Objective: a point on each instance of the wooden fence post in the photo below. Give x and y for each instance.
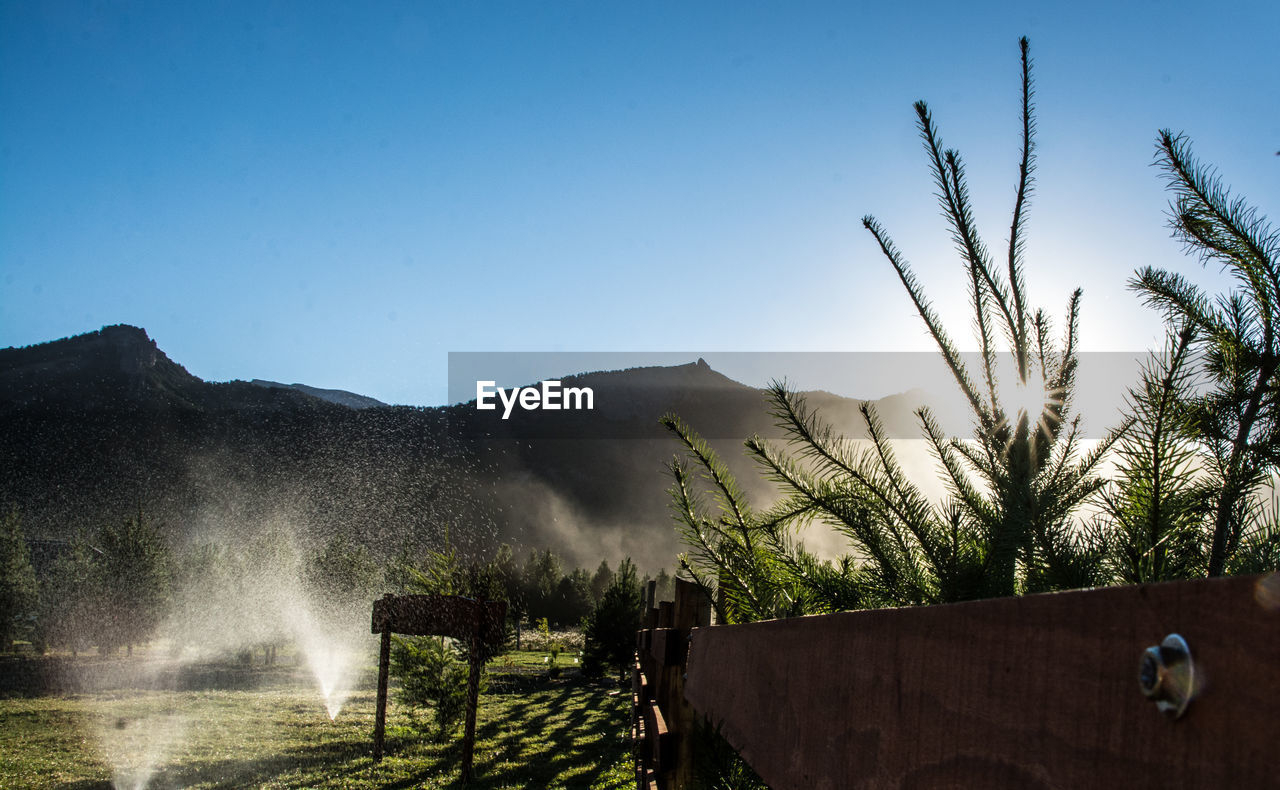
(663, 722)
(691, 610)
(648, 727)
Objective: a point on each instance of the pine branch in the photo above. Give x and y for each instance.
(804, 429)
(958, 480)
(909, 504)
(709, 547)
(1214, 226)
(852, 514)
(1025, 186)
(727, 492)
(1179, 301)
(956, 206)
(923, 308)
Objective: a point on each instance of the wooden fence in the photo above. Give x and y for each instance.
(1043, 691)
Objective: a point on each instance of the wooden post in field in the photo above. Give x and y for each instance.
(473, 697)
(478, 623)
(384, 666)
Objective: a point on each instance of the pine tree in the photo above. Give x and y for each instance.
(1236, 423)
(70, 600)
(19, 594)
(1155, 509)
(573, 599)
(610, 638)
(664, 586)
(600, 581)
(512, 581)
(541, 576)
(433, 670)
(1009, 523)
(133, 579)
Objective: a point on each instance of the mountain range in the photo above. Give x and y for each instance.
(96, 426)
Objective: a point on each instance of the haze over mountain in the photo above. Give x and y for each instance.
(96, 425)
(341, 397)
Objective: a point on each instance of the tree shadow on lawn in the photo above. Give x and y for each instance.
(571, 735)
(539, 741)
(534, 734)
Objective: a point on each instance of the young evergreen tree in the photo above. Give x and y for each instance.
(1236, 422)
(610, 638)
(600, 581)
(19, 594)
(134, 582)
(433, 674)
(1009, 523)
(70, 600)
(433, 670)
(541, 577)
(1155, 508)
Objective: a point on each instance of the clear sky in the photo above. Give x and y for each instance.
(340, 194)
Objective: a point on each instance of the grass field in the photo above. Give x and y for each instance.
(533, 731)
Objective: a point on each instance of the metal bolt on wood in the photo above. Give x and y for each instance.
(1167, 675)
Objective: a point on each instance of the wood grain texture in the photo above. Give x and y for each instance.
(1033, 692)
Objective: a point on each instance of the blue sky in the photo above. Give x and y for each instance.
(341, 194)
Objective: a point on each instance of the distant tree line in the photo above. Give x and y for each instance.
(109, 589)
(120, 585)
(541, 586)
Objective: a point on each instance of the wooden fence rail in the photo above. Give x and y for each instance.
(1041, 691)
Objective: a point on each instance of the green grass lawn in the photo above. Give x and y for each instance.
(533, 731)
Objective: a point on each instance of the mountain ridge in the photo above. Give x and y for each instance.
(97, 424)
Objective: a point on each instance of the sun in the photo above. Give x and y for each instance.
(1029, 398)
(1032, 399)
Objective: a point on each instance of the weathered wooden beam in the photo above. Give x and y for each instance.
(669, 646)
(1033, 692)
(658, 736)
(439, 615)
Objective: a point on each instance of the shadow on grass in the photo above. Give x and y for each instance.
(537, 732)
(553, 728)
